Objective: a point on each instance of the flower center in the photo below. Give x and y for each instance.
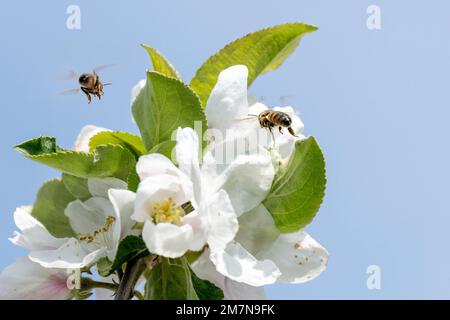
(167, 211)
(99, 235)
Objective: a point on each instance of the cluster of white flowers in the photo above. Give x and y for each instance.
(242, 250)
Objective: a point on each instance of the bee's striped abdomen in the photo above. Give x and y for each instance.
(279, 118)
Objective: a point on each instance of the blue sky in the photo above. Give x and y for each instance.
(378, 101)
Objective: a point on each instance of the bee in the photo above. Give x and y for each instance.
(271, 118)
(89, 83)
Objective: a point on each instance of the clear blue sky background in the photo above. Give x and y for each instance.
(377, 101)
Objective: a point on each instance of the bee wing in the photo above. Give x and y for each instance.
(70, 75)
(105, 66)
(70, 92)
(249, 117)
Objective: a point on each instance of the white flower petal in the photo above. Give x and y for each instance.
(155, 164)
(232, 290)
(167, 240)
(228, 100)
(123, 204)
(248, 180)
(223, 224)
(34, 235)
(85, 135)
(205, 269)
(26, 280)
(257, 230)
(240, 291)
(257, 108)
(239, 265)
(71, 255)
(199, 225)
(299, 257)
(215, 223)
(86, 217)
(187, 153)
(98, 187)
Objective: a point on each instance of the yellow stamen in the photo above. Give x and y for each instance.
(89, 238)
(167, 211)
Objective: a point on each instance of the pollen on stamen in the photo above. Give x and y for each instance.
(167, 211)
(89, 238)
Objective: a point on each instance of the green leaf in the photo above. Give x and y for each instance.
(298, 187)
(131, 247)
(106, 161)
(38, 146)
(261, 51)
(51, 201)
(170, 279)
(160, 63)
(206, 290)
(163, 105)
(125, 139)
(112, 161)
(133, 180)
(78, 187)
(165, 148)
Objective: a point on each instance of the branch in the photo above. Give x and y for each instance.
(132, 273)
(88, 283)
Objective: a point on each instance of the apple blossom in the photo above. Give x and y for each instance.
(163, 191)
(99, 222)
(25, 279)
(259, 247)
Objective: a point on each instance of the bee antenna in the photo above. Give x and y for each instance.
(107, 84)
(252, 115)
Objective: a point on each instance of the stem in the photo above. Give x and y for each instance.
(120, 273)
(88, 283)
(132, 273)
(138, 295)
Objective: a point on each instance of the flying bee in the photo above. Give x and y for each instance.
(269, 119)
(90, 84)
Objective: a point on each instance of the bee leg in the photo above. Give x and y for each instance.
(292, 132)
(280, 129)
(273, 137)
(100, 93)
(87, 94)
